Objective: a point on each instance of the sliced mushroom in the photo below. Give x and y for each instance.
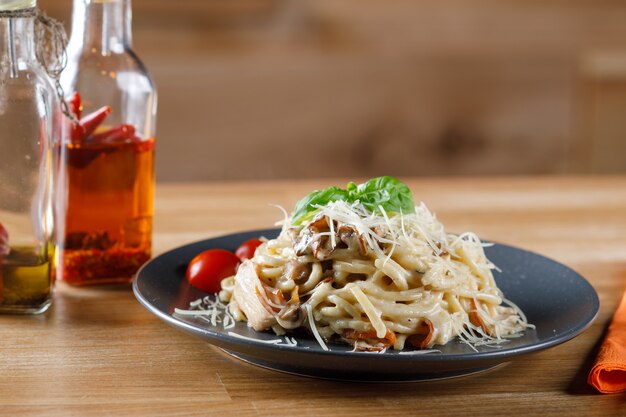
(301, 243)
(296, 270)
(309, 240)
(319, 224)
(352, 238)
(322, 247)
(422, 340)
(291, 316)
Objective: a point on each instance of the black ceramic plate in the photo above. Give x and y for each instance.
(557, 300)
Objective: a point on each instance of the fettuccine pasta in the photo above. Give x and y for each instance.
(374, 280)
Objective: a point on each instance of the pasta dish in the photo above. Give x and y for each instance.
(374, 271)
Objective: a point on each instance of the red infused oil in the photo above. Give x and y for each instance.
(109, 181)
(108, 225)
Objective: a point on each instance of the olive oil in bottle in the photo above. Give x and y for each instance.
(27, 101)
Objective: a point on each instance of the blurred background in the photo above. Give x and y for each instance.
(358, 88)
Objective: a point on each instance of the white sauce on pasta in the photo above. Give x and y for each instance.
(380, 281)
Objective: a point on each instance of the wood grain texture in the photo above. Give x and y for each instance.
(98, 352)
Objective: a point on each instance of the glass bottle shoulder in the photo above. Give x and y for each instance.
(24, 73)
(117, 79)
(118, 70)
(28, 92)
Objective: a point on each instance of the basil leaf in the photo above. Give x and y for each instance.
(387, 192)
(306, 207)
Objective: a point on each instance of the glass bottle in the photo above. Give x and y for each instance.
(106, 189)
(27, 101)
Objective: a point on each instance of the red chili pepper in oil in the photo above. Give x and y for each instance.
(108, 222)
(91, 122)
(116, 134)
(76, 105)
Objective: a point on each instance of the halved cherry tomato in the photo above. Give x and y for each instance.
(247, 248)
(209, 268)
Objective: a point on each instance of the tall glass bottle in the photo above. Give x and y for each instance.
(27, 100)
(106, 189)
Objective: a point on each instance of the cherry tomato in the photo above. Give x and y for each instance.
(247, 248)
(207, 269)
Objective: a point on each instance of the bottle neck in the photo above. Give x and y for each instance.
(17, 42)
(102, 26)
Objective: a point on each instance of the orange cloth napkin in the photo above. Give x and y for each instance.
(608, 374)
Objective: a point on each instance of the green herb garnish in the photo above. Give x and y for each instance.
(387, 192)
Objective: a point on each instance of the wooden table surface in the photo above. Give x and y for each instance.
(97, 351)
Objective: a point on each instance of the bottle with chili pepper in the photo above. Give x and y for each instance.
(106, 192)
(27, 102)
